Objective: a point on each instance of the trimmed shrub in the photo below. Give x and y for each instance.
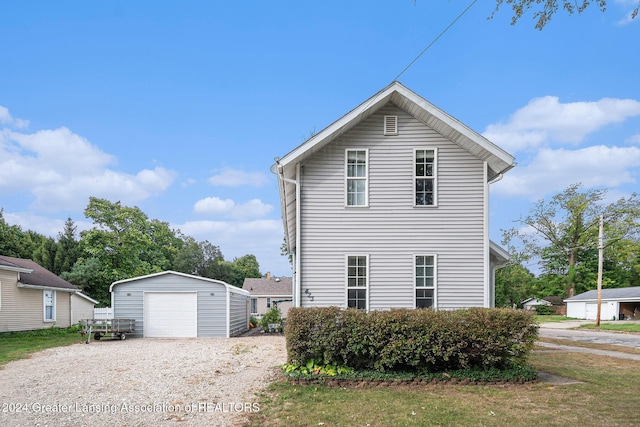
(272, 316)
(403, 339)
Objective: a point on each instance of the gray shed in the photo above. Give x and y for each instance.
(178, 305)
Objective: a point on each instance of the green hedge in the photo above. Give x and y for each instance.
(403, 339)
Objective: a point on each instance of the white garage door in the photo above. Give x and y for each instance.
(592, 311)
(171, 314)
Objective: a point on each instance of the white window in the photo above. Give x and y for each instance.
(357, 281)
(268, 302)
(356, 176)
(254, 305)
(49, 304)
(425, 276)
(425, 177)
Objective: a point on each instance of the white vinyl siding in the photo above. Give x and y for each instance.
(356, 175)
(357, 283)
(425, 280)
(49, 306)
(425, 177)
(392, 230)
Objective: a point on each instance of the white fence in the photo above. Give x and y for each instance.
(103, 313)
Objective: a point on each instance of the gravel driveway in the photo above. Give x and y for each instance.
(141, 382)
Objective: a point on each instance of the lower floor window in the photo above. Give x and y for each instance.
(254, 305)
(425, 280)
(424, 298)
(357, 282)
(357, 299)
(49, 298)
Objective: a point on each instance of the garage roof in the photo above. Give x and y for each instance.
(608, 294)
(229, 287)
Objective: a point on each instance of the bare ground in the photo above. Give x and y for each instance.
(141, 382)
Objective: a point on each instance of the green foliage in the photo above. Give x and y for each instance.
(544, 310)
(401, 339)
(544, 10)
(273, 316)
(562, 233)
(313, 368)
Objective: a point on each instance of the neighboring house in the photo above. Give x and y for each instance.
(615, 303)
(81, 307)
(32, 297)
(532, 303)
(268, 291)
(389, 207)
(178, 305)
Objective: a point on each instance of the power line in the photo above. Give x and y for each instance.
(436, 39)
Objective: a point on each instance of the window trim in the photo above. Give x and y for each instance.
(44, 306)
(268, 302)
(435, 177)
(347, 178)
(435, 279)
(253, 304)
(367, 278)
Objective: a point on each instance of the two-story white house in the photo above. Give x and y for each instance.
(389, 207)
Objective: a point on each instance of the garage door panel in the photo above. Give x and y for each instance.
(171, 314)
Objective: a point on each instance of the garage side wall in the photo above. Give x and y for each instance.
(128, 301)
(239, 317)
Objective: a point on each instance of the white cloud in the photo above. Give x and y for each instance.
(7, 119)
(215, 206)
(234, 178)
(62, 169)
(635, 139)
(546, 119)
(552, 170)
(43, 225)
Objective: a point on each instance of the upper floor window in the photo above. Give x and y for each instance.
(425, 274)
(357, 282)
(356, 173)
(425, 177)
(49, 304)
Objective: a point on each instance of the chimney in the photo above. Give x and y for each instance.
(268, 275)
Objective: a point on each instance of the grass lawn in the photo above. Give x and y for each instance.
(18, 345)
(607, 396)
(551, 318)
(622, 327)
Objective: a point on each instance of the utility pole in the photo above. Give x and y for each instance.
(600, 258)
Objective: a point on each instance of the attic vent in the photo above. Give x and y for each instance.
(390, 125)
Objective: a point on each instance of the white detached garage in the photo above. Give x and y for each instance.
(179, 305)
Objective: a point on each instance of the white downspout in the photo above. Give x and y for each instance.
(298, 239)
(487, 261)
(296, 257)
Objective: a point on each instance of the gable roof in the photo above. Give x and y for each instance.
(276, 286)
(609, 294)
(32, 275)
(498, 160)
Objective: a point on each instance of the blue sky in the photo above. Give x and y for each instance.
(180, 107)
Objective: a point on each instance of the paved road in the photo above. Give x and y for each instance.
(562, 330)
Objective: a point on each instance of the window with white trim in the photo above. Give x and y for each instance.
(254, 305)
(49, 305)
(425, 177)
(425, 276)
(268, 302)
(356, 176)
(357, 281)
